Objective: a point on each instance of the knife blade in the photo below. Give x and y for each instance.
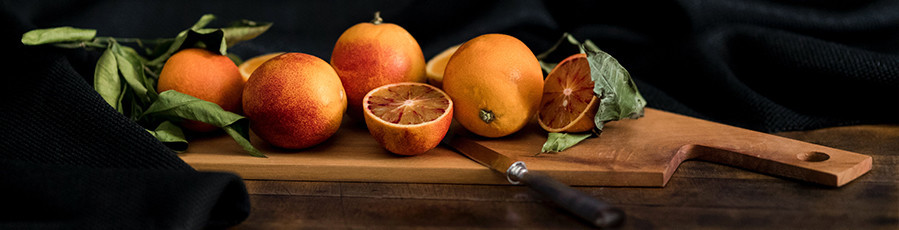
(596, 212)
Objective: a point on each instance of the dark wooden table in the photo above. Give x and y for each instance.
(700, 195)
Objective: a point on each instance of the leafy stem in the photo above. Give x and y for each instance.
(126, 79)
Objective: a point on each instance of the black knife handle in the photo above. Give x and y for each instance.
(585, 206)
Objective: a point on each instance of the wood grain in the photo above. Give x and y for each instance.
(700, 195)
(642, 152)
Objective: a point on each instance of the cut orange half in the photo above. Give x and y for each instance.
(247, 67)
(407, 118)
(568, 103)
(437, 65)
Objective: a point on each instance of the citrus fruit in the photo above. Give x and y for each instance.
(496, 84)
(369, 55)
(436, 66)
(204, 75)
(568, 103)
(294, 101)
(246, 68)
(408, 118)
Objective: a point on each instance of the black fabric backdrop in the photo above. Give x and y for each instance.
(68, 160)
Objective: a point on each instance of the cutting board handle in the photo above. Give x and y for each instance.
(785, 157)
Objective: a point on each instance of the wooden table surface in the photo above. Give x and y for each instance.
(700, 195)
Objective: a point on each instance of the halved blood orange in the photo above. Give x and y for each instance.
(568, 103)
(407, 118)
(437, 65)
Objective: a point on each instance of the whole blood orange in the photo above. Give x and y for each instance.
(294, 101)
(496, 83)
(369, 55)
(408, 118)
(568, 103)
(204, 75)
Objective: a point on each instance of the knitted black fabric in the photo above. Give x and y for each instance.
(68, 160)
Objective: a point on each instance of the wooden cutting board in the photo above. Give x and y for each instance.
(642, 152)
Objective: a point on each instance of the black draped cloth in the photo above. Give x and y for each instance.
(68, 160)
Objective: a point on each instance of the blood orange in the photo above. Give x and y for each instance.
(495, 81)
(294, 101)
(369, 55)
(407, 118)
(204, 75)
(568, 103)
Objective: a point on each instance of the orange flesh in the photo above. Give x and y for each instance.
(566, 93)
(407, 104)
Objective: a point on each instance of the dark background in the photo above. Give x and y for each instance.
(763, 65)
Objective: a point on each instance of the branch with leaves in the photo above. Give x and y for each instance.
(126, 78)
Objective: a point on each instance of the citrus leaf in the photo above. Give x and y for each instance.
(179, 40)
(617, 92)
(204, 20)
(171, 103)
(215, 40)
(136, 108)
(244, 30)
(123, 96)
(557, 142)
(240, 132)
(107, 81)
(206, 38)
(174, 105)
(131, 71)
(58, 34)
(170, 135)
(143, 74)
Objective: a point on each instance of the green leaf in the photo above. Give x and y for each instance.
(244, 30)
(215, 40)
(204, 20)
(174, 105)
(179, 39)
(132, 71)
(170, 135)
(617, 92)
(58, 34)
(137, 108)
(173, 47)
(212, 40)
(239, 131)
(123, 97)
(557, 142)
(107, 81)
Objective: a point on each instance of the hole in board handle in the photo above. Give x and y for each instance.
(813, 156)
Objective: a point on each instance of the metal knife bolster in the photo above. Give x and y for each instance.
(516, 171)
(596, 212)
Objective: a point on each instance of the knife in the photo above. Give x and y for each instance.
(596, 212)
